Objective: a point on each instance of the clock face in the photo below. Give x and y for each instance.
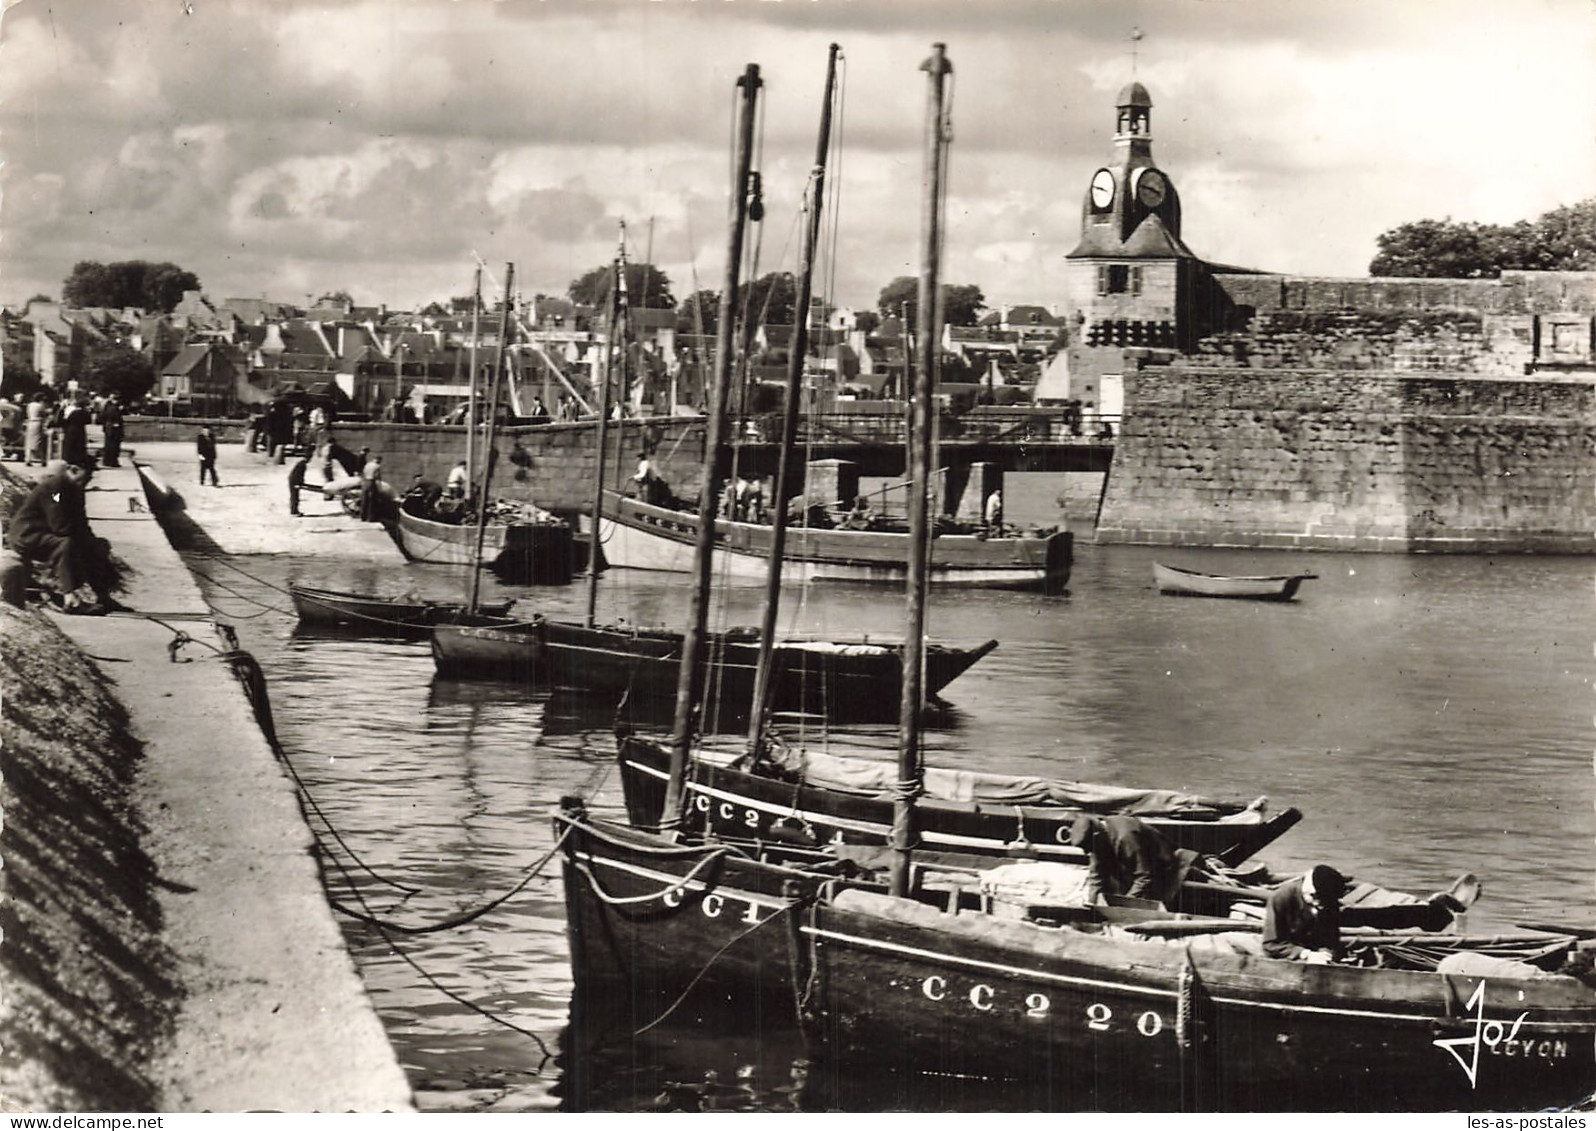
(1102, 189)
(1150, 187)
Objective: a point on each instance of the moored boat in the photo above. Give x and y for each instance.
(642, 535)
(524, 542)
(980, 1009)
(831, 797)
(834, 679)
(369, 613)
(1190, 583)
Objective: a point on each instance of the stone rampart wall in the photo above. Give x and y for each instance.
(1353, 461)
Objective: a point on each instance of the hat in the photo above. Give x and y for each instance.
(1324, 882)
(1081, 831)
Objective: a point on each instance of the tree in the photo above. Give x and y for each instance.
(768, 300)
(1563, 239)
(122, 370)
(336, 298)
(868, 321)
(646, 286)
(131, 282)
(700, 314)
(961, 303)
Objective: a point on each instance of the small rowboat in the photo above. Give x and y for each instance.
(1190, 583)
(327, 608)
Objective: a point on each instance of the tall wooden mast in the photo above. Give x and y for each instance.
(910, 769)
(690, 684)
(487, 444)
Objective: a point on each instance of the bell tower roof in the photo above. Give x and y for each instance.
(1134, 94)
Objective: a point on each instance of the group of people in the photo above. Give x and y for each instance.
(25, 429)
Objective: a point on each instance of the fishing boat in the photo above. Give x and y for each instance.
(518, 539)
(365, 612)
(1190, 583)
(822, 678)
(643, 535)
(823, 797)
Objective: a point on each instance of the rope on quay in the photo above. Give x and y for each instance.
(249, 672)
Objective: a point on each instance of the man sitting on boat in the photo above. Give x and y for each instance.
(651, 488)
(1304, 916)
(859, 516)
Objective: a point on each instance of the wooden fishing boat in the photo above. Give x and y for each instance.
(364, 612)
(640, 535)
(537, 547)
(831, 797)
(979, 1008)
(834, 679)
(1189, 583)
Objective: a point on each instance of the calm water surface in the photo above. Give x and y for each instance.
(1429, 715)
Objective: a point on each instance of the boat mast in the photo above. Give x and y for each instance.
(617, 304)
(690, 682)
(487, 444)
(471, 394)
(789, 420)
(910, 770)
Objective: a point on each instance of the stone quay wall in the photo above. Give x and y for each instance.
(1337, 460)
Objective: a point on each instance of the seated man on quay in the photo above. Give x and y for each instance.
(1304, 916)
(51, 525)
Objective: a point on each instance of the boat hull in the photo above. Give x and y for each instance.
(836, 680)
(542, 553)
(737, 803)
(1188, 583)
(327, 608)
(640, 536)
(968, 1010)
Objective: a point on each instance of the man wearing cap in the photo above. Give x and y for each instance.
(51, 526)
(1127, 856)
(1303, 917)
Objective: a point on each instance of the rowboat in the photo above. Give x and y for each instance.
(362, 611)
(853, 679)
(1190, 583)
(641, 535)
(535, 546)
(849, 799)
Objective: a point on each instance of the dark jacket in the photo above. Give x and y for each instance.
(206, 446)
(1291, 926)
(54, 506)
(1129, 857)
(75, 437)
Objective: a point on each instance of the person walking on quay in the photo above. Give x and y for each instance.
(51, 525)
(33, 431)
(205, 446)
(75, 432)
(994, 513)
(111, 426)
(370, 476)
(296, 483)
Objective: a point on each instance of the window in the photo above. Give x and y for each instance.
(1119, 279)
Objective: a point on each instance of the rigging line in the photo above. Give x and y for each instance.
(431, 980)
(371, 919)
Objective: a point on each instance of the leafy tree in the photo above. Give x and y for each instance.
(338, 298)
(768, 300)
(131, 282)
(122, 370)
(700, 314)
(961, 303)
(1563, 239)
(868, 321)
(646, 286)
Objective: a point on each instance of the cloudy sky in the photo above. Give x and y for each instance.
(283, 149)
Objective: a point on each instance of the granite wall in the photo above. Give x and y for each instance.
(1348, 460)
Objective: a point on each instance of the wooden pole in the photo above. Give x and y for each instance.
(601, 433)
(763, 677)
(690, 681)
(487, 445)
(910, 770)
(471, 394)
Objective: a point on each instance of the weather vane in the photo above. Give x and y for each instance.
(1135, 38)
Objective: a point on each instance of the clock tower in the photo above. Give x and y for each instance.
(1130, 278)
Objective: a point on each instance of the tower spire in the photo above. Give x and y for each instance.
(1135, 38)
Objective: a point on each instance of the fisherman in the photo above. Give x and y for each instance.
(51, 525)
(455, 485)
(370, 477)
(1127, 856)
(1303, 917)
(994, 512)
(858, 516)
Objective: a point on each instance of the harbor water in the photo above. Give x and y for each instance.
(1429, 715)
